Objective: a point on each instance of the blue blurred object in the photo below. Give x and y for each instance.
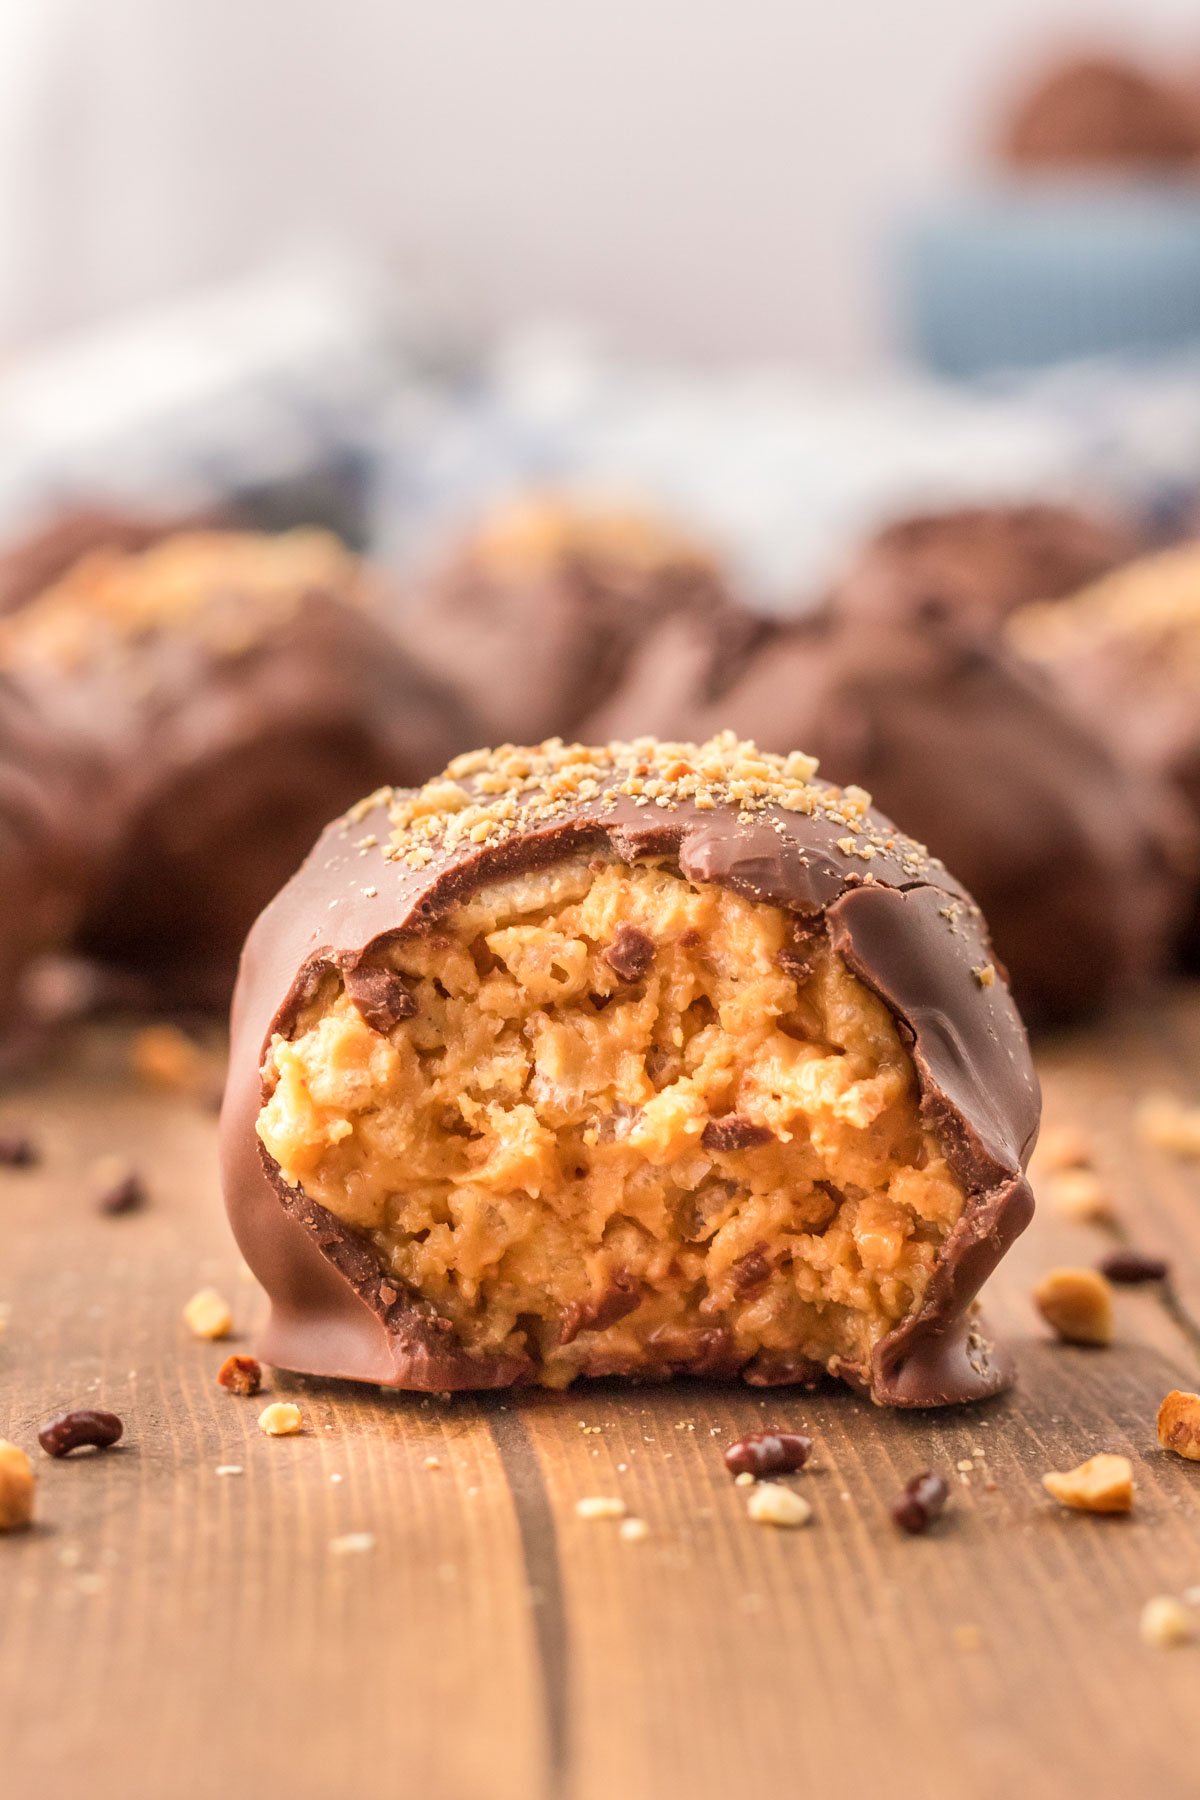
(1021, 277)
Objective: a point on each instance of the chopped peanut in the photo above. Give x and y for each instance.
(281, 1419)
(1103, 1484)
(600, 1506)
(1168, 1124)
(1063, 1147)
(1179, 1424)
(166, 1057)
(1080, 1196)
(772, 1505)
(207, 1315)
(1077, 1304)
(17, 1482)
(1165, 1622)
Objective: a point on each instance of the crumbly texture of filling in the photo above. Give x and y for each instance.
(620, 1110)
(225, 586)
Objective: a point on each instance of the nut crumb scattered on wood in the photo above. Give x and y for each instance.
(18, 1485)
(208, 1315)
(600, 1506)
(119, 1189)
(240, 1375)
(166, 1057)
(17, 1151)
(281, 1419)
(1063, 1147)
(632, 1531)
(1077, 1304)
(1102, 1484)
(352, 1543)
(773, 1505)
(1168, 1123)
(229, 1469)
(1079, 1196)
(1179, 1424)
(1165, 1622)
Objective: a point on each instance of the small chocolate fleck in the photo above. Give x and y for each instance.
(18, 1151)
(78, 1430)
(124, 1195)
(734, 1132)
(1129, 1267)
(919, 1505)
(240, 1374)
(381, 996)
(750, 1272)
(769, 1453)
(630, 953)
(619, 1299)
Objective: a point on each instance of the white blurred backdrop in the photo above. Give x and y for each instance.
(706, 176)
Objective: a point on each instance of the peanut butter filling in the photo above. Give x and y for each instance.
(610, 1119)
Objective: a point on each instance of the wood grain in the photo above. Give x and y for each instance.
(169, 1632)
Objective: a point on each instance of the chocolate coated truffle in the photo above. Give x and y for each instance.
(691, 1063)
(534, 617)
(32, 562)
(1080, 862)
(1103, 112)
(231, 691)
(977, 563)
(1127, 654)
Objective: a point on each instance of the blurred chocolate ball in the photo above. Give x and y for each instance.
(1081, 862)
(534, 616)
(975, 564)
(1102, 112)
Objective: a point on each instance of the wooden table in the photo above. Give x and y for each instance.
(168, 1632)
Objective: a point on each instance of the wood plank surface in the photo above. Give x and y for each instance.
(170, 1633)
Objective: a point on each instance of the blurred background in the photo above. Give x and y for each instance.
(792, 273)
(711, 178)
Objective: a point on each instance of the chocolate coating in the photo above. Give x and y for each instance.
(903, 925)
(976, 564)
(1081, 863)
(535, 616)
(1102, 112)
(228, 693)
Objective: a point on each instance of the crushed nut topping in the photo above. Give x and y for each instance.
(488, 796)
(17, 1486)
(1077, 1304)
(224, 586)
(1103, 1484)
(1179, 1424)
